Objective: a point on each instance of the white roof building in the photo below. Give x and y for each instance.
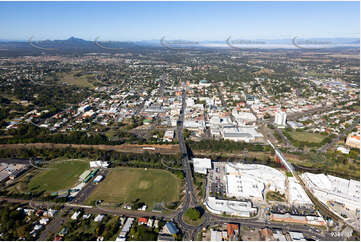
(343, 150)
(44, 221)
(194, 124)
(150, 222)
(296, 194)
(218, 235)
(38, 227)
(331, 188)
(86, 216)
(250, 180)
(99, 218)
(244, 117)
(280, 119)
(123, 233)
(98, 164)
(50, 213)
(75, 215)
(244, 187)
(98, 179)
(244, 133)
(201, 165)
(168, 135)
(295, 125)
(190, 102)
(296, 236)
(234, 208)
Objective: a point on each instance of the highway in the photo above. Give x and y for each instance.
(190, 200)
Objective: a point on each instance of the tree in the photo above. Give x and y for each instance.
(187, 133)
(193, 213)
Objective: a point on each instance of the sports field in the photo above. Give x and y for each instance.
(61, 175)
(307, 137)
(129, 184)
(80, 81)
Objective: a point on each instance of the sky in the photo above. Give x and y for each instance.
(197, 21)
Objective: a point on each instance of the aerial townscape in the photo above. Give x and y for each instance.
(178, 140)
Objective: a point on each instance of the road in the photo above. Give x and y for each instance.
(190, 200)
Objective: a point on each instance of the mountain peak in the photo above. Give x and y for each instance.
(72, 38)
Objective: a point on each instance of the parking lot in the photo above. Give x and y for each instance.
(216, 181)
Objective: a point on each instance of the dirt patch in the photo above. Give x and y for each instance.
(144, 185)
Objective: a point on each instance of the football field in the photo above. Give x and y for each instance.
(60, 175)
(137, 184)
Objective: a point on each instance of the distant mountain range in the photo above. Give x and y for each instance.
(77, 45)
(74, 40)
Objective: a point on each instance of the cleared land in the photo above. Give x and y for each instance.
(62, 175)
(126, 185)
(307, 137)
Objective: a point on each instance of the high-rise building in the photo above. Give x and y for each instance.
(280, 119)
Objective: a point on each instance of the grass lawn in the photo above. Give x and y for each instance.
(275, 196)
(129, 184)
(289, 174)
(62, 175)
(193, 222)
(307, 137)
(81, 81)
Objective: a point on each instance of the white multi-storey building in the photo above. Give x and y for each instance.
(280, 119)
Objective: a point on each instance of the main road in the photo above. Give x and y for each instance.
(190, 199)
(190, 231)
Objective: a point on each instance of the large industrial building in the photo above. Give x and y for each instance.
(242, 133)
(234, 208)
(330, 188)
(250, 180)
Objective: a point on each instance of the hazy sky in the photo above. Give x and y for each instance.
(180, 20)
